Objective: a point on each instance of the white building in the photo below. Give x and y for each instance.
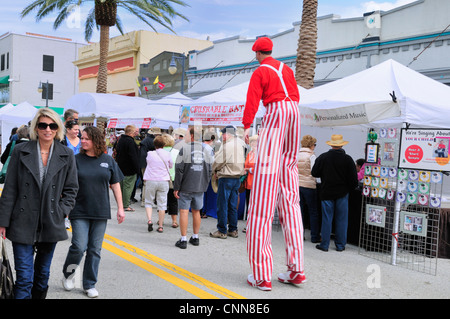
(414, 35)
(30, 59)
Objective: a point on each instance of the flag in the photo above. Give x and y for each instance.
(138, 84)
(161, 86)
(156, 80)
(145, 80)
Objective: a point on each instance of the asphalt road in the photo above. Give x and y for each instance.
(137, 264)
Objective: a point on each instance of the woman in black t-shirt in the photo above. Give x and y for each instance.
(97, 172)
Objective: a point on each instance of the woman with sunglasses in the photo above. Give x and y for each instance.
(97, 173)
(40, 189)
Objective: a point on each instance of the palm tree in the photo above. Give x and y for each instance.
(104, 15)
(307, 45)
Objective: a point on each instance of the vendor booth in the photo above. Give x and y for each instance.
(398, 103)
(225, 107)
(162, 113)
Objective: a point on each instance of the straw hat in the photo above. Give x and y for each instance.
(337, 140)
(253, 138)
(214, 183)
(154, 131)
(180, 131)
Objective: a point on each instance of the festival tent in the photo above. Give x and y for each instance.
(365, 99)
(13, 116)
(100, 105)
(223, 107)
(388, 93)
(163, 113)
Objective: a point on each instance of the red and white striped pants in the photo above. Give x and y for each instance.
(275, 185)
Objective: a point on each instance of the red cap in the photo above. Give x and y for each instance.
(263, 44)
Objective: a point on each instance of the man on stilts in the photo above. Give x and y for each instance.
(275, 183)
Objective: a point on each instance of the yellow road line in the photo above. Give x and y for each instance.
(202, 281)
(160, 273)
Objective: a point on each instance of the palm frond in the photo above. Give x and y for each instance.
(89, 25)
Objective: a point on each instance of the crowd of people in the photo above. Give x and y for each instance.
(57, 172)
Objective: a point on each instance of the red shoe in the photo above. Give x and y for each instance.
(260, 284)
(292, 277)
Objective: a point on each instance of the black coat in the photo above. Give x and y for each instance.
(127, 156)
(31, 212)
(337, 172)
(5, 154)
(145, 147)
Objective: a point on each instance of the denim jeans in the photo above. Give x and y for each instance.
(308, 202)
(87, 236)
(227, 199)
(339, 209)
(32, 274)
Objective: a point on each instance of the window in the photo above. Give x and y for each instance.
(2, 63)
(47, 63)
(50, 91)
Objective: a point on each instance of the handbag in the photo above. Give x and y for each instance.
(170, 178)
(243, 180)
(6, 274)
(5, 166)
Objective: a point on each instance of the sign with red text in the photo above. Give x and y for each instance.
(213, 114)
(426, 149)
(121, 123)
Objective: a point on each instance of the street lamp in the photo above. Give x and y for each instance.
(40, 88)
(173, 68)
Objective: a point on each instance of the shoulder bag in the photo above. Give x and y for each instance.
(168, 172)
(6, 274)
(5, 166)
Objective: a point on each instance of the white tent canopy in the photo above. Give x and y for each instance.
(365, 97)
(104, 105)
(162, 113)
(14, 116)
(224, 107)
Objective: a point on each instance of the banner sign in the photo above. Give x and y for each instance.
(425, 149)
(121, 123)
(349, 115)
(213, 114)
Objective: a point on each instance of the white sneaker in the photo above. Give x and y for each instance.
(67, 223)
(68, 283)
(91, 293)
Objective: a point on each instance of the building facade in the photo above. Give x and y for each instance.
(126, 54)
(416, 35)
(31, 60)
(156, 79)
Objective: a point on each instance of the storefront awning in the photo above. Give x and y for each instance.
(4, 79)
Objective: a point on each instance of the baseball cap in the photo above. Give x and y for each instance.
(230, 129)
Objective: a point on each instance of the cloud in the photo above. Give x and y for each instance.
(384, 6)
(363, 7)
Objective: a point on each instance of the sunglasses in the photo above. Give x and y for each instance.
(43, 126)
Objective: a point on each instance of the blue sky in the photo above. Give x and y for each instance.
(217, 19)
